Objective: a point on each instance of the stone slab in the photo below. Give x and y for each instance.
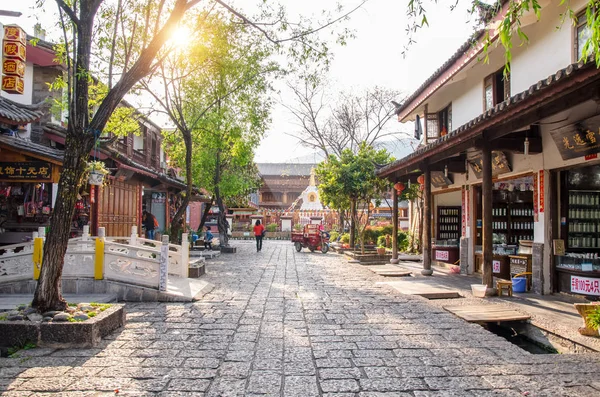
(184, 289)
(486, 313)
(389, 270)
(424, 289)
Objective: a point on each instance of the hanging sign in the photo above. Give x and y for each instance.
(579, 139)
(500, 164)
(438, 179)
(35, 170)
(14, 51)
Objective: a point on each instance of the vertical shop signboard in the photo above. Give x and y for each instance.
(541, 193)
(464, 212)
(535, 197)
(14, 50)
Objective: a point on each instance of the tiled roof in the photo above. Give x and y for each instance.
(284, 169)
(458, 135)
(25, 145)
(459, 53)
(18, 113)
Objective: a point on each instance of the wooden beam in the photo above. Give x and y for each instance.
(427, 223)
(486, 206)
(455, 164)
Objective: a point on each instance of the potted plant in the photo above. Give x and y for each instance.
(381, 245)
(593, 319)
(96, 171)
(585, 310)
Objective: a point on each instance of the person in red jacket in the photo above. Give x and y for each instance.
(259, 232)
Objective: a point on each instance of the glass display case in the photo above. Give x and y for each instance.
(583, 217)
(449, 223)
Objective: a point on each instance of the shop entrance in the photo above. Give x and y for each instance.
(512, 226)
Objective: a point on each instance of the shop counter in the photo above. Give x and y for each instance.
(578, 275)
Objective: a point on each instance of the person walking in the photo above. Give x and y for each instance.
(259, 232)
(150, 224)
(208, 237)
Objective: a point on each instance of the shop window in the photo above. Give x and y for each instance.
(582, 34)
(496, 89)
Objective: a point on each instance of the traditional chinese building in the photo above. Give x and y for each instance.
(509, 166)
(282, 184)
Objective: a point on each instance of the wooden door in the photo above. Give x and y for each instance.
(118, 208)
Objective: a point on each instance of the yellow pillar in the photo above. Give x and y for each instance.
(38, 254)
(99, 256)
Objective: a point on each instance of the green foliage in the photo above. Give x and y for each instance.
(403, 241)
(381, 241)
(345, 238)
(92, 314)
(333, 235)
(593, 319)
(271, 227)
(298, 227)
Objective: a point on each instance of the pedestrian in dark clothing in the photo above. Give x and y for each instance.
(150, 223)
(259, 232)
(208, 237)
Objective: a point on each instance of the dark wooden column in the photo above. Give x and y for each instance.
(427, 223)
(395, 226)
(486, 207)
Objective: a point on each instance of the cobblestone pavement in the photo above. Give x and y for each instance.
(281, 323)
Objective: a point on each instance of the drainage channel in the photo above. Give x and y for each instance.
(520, 339)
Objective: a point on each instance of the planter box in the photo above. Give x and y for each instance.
(584, 310)
(83, 334)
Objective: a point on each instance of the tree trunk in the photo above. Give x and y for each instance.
(353, 224)
(177, 221)
(48, 292)
(221, 219)
(341, 222)
(207, 207)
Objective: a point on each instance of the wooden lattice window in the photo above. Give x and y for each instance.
(496, 89)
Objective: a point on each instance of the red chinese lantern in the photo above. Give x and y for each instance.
(421, 179)
(399, 186)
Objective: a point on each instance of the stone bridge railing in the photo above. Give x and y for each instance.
(132, 260)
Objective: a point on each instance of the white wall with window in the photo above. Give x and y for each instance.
(548, 50)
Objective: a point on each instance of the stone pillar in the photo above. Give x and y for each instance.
(464, 255)
(133, 237)
(229, 218)
(85, 236)
(185, 255)
(395, 226)
(427, 223)
(486, 206)
(537, 265)
(163, 266)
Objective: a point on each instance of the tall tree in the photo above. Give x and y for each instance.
(131, 36)
(350, 180)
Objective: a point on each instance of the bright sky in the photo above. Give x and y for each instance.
(373, 58)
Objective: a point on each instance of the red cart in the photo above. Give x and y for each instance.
(312, 238)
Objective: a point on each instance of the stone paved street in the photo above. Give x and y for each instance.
(281, 323)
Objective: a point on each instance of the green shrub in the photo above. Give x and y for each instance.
(403, 241)
(298, 227)
(271, 227)
(593, 319)
(333, 235)
(381, 241)
(345, 238)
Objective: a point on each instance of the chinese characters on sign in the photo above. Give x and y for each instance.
(496, 266)
(438, 179)
(441, 255)
(579, 139)
(585, 285)
(14, 51)
(541, 192)
(35, 170)
(499, 164)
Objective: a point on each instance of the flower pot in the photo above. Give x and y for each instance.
(95, 178)
(584, 309)
(380, 250)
